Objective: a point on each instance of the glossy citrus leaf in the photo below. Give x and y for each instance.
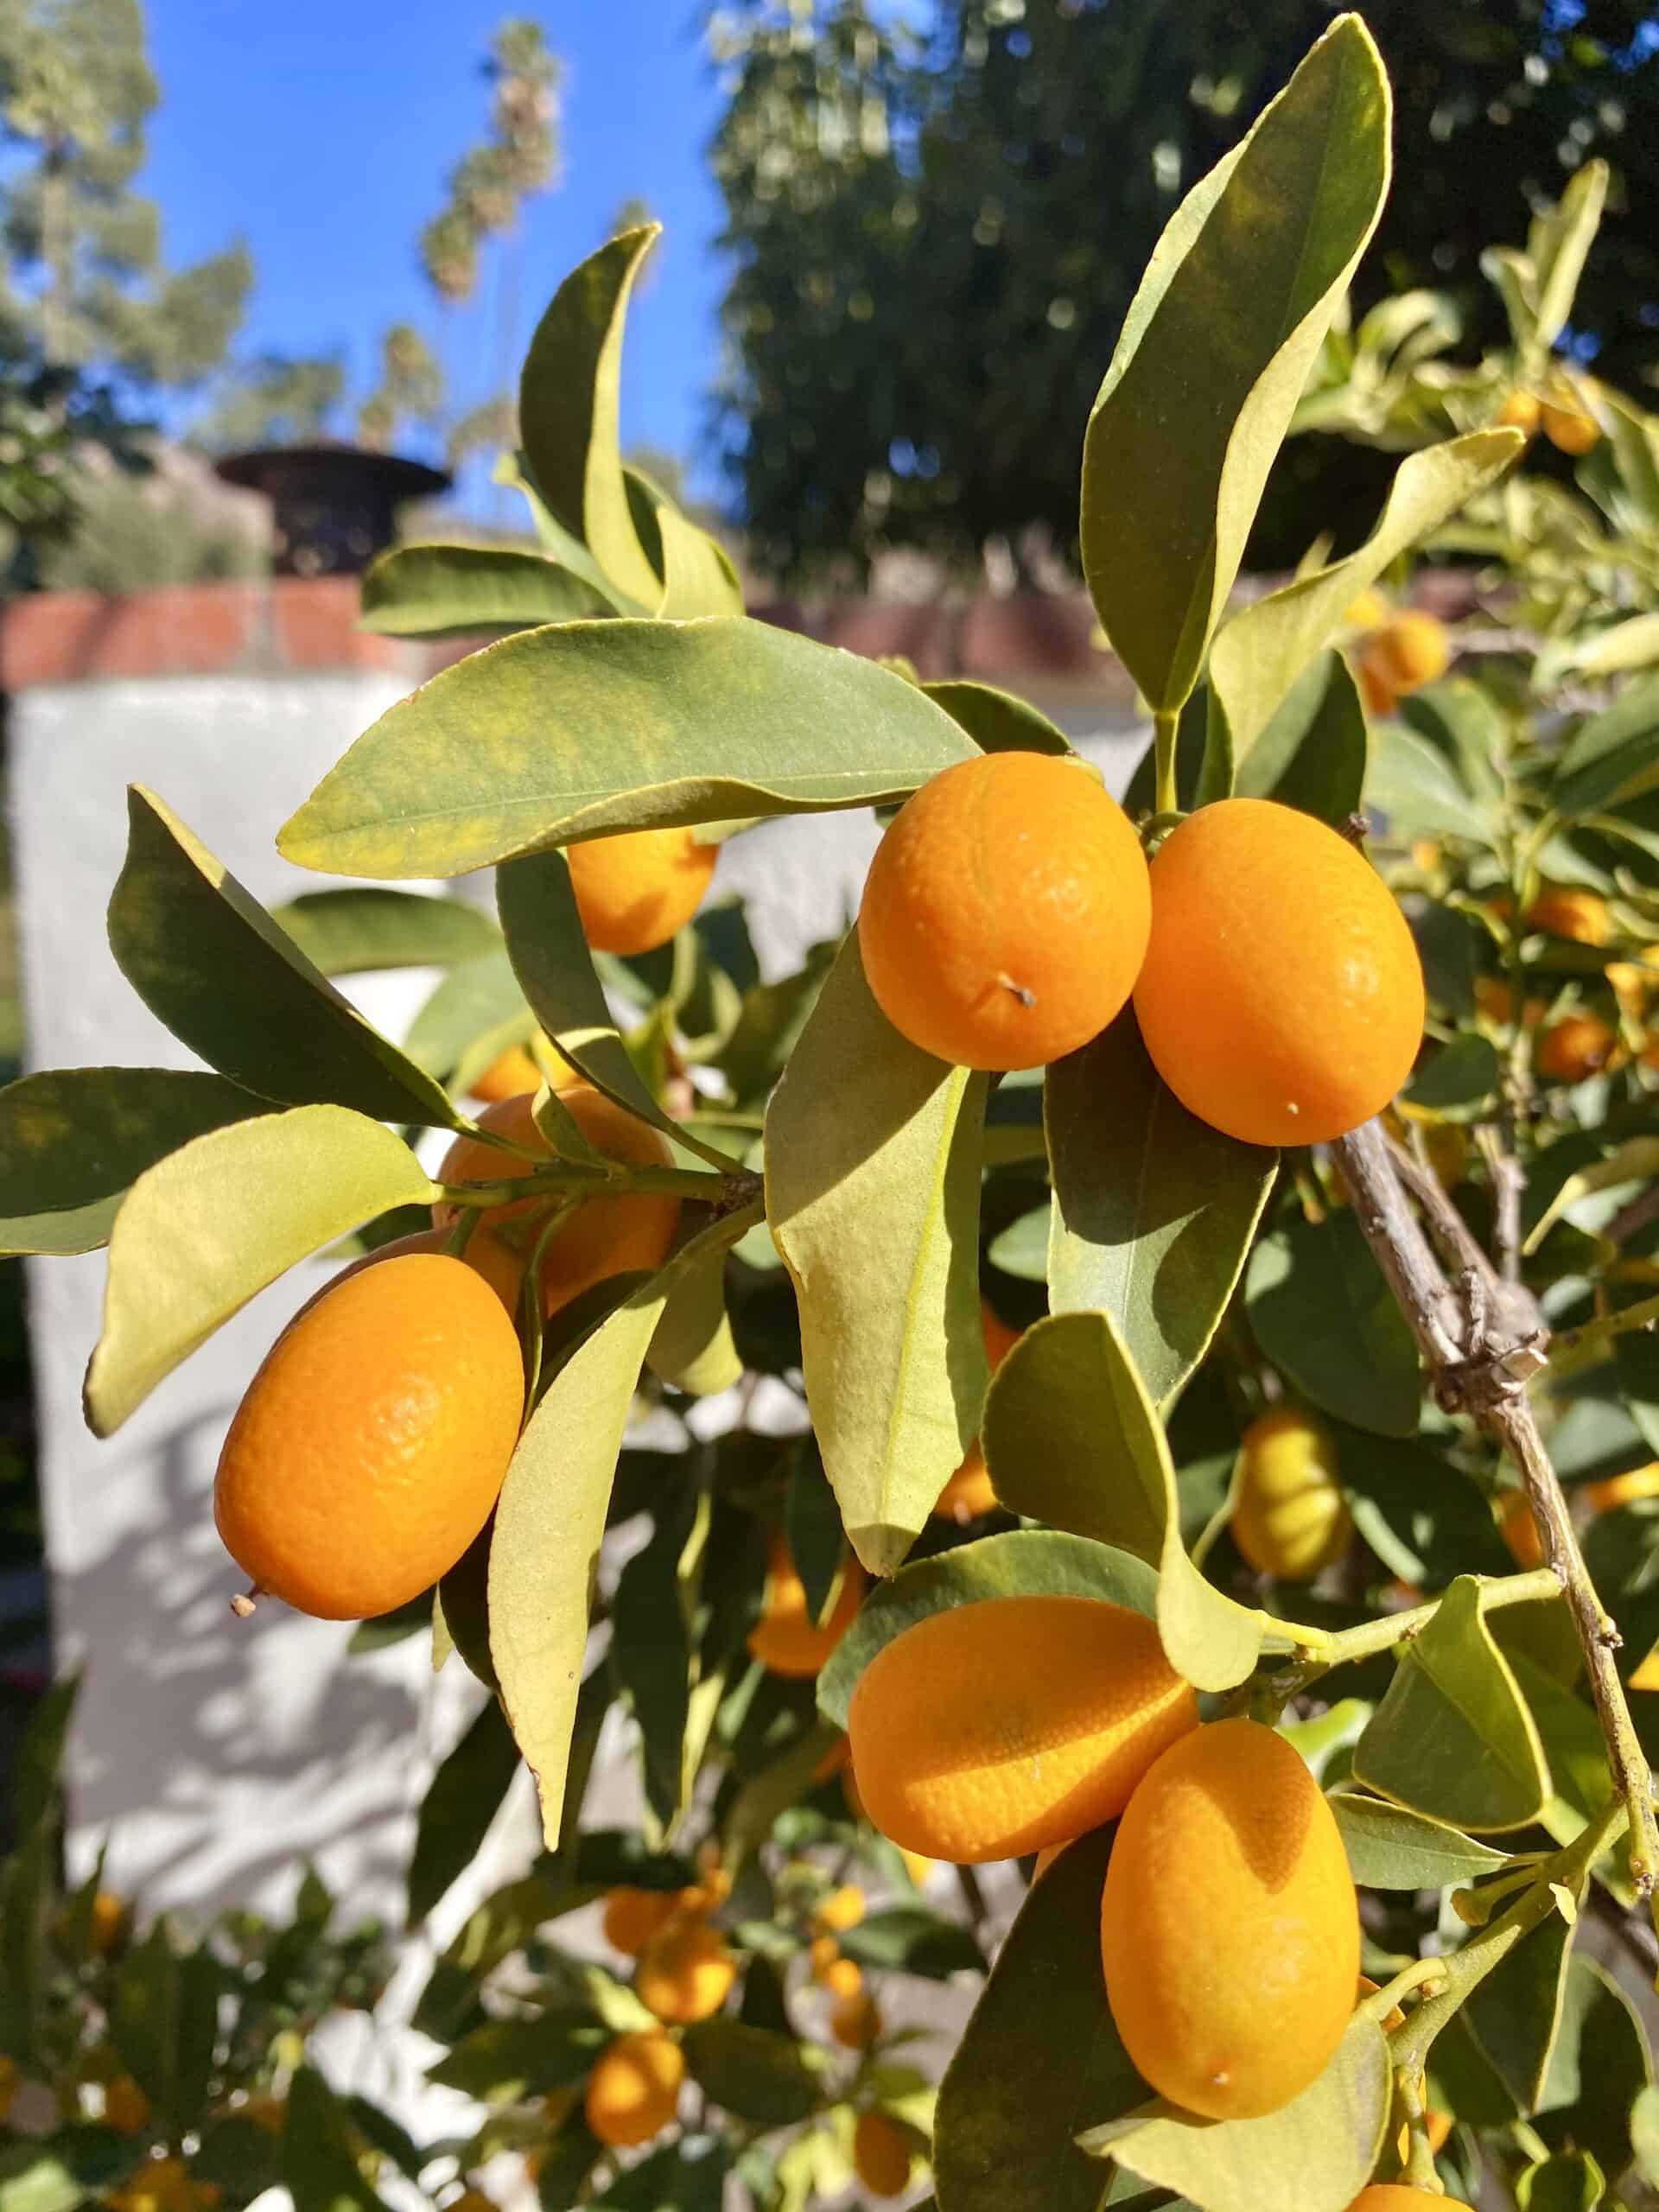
(1261, 652)
(1072, 1437)
(1040, 2059)
(346, 932)
(1600, 2065)
(1453, 1737)
(1154, 1209)
(461, 1801)
(1315, 2154)
(997, 720)
(1213, 355)
(1389, 1848)
(650, 1645)
(1020, 1563)
(207, 960)
(1514, 2014)
(1310, 752)
(914, 1939)
(445, 591)
(550, 1518)
(872, 1176)
(198, 1235)
(758, 2076)
(1325, 1315)
(73, 1141)
(569, 402)
(1423, 1517)
(625, 725)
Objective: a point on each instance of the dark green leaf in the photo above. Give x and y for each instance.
(1154, 1209)
(1312, 753)
(1572, 2182)
(506, 2061)
(769, 2078)
(650, 1645)
(1614, 756)
(689, 2176)
(462, 1799)
(1424, 1519)
(1599, 2066)
(1514, 2015)
(1040, 2059)
(1458, 1081)
(475, 1013)
(997, 721)
(73, 1141)
(910, 1939)
(163, 2020)
(207, 960)
(319, 2156)
(1323, 1315)
(33, 1789)
(812, 1525)
(597, 727)
(1389, 1848)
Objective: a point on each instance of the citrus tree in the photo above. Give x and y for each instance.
(1204, 1246)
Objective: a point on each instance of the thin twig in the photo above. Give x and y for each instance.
(1480, 1363)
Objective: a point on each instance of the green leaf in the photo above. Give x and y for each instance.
(505, 2061)
(1022, 1250)
(997, 721)
(319, 2155)
(555, 969)
(1462, 719)
(1644, 2134)
(650, 1645)
(27, 1884)
(872, 1176)
(73, 1141)
(1262, 651)
(1599, 2067)
(1389, 1848)
(1411, 784)
(462, 1799)
(697, 577)
(1560, 245)
(1423, 1517)
(1040, 2059)
(1324, 1315)
(909, 1939)
(689, 2176)
(164, 2021)
(753, 2073)
(1154, 1209)
(597, 727)
(1311, 753)
(207, 960)
(1072, 1437)
(1613, 756)
(445, 591)
(567, 410)
(75, 2166)
(1315, 2154)
(550, 1518)
(693, 1349)
(1514, 2014)
(1213, 355)
(812, 1526)
(1453, 1737)
(347, 933)
(1460, 1081)
(1574, 2182)
(475, 1013)
(1023, 1563)
(33, 1787)
(199, 1234)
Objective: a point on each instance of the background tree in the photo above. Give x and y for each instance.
(1001, 168)
(86, 281)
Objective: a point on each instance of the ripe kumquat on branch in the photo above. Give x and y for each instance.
(604, 1237)
(508, 1074)
(686, 1972)
(1409, 650)
(969, 1494)
(1520, 411)
(1282, 997)
(881, 2155)
(633, 892)
(786, 1640)
(1005, 911)
(634, 2089)
(632, 1917)
(1568, 423)
(1578, 1046)
(1394, 2196)
(1230, 1928)
(1581, 916)
(1289, 1517)
(992, 1729)
(371, 1446)
(856, 2022)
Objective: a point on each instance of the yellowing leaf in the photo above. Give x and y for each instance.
(873, 1172)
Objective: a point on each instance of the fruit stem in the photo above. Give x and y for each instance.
(1164, 728)
(1417, 1975)
(1483, 1342)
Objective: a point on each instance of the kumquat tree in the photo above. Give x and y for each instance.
(1212, 1243)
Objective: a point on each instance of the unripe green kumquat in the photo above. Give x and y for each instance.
(1230, 1927)
(988, 1731)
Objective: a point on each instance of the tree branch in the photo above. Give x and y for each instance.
(1481, 1359)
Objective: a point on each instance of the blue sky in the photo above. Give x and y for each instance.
(322, 130)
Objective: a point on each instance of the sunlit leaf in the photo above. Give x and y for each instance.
(346, 932)
(997, 720)
(445, 591)
(1389, 1848)
(1310, 752)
